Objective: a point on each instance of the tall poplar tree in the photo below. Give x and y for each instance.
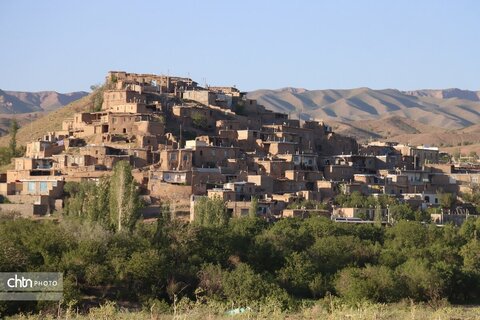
(123, 198)
(13, 138)
(211, 212)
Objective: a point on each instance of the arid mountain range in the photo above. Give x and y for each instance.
(27, 106)
(38, 124)
(15, 102)
(452, 108)
(445, 118)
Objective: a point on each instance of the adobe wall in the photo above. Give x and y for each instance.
(169, 192)
(25, 210)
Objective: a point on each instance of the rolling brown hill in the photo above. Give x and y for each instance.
(416, 117)
(25, 107)
(451, 108)
(449, 119)
(16, 102)
(37, 127)
(447, 94)
(382, 128)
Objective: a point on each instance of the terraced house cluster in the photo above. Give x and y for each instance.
(185, 141)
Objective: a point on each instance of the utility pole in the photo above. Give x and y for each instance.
(180, 140)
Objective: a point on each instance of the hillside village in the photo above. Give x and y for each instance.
(186, 142)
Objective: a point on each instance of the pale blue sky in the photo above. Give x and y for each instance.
(69, 45)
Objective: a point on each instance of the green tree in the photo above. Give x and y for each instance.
(98, 207)
(401, 212)
(333, 253)
(146, 272)
(243, 233)
(423, 215)
(243, 287)
(308, 204)
(124, 202)
(199, 120)
(420, 281)
(406, 235)
(210, 280)
(13, 138)
(447, 200)
(468, 230)
(471, 256)
(373, 283)
(357, 200)
(385, 200)
(252, 211)
(88, 200)
(78, 196)
(211, 212)
(97, 97)
(299, 276)
(287, 236)
(405, 239)
(239, 108)
(163, 223)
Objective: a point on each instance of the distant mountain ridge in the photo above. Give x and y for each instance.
(446, 94)
(17, 102)
(447, 118)
(449, 108)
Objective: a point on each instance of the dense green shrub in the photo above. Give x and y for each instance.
(242, 262)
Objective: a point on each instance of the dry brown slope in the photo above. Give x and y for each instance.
(49, 122)
(474, 128)
(368, 104)
(446, 93)
(446, 139)
(382, 129)
(465, 150)
(17, 102)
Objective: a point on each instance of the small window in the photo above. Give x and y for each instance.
(43, 187)
(31, 187)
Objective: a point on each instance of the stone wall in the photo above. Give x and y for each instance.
(24, 210)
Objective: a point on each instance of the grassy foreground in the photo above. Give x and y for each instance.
(321, 310)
